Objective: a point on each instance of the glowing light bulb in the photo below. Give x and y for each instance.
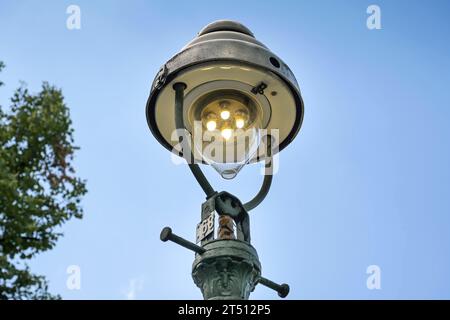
(240, 123)
(211, 125)
(225, 114)
(227, 133)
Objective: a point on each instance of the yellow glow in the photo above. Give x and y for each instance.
(227, 133)
(211, 125)
(240, 123)
(225, 114)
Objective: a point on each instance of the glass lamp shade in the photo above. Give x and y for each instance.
(227, 129)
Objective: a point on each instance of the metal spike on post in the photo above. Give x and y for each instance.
(282, 289)
(168, 235)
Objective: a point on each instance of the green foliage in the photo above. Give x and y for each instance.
(39, 190)
(2, 65)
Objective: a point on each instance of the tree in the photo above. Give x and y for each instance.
(39, 190)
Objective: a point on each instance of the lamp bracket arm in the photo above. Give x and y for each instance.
(179, 88)
(267, 181)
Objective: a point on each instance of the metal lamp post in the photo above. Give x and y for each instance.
(224, 95)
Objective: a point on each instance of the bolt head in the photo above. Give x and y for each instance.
(166, 233)
(284, 291)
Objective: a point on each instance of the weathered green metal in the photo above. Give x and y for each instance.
(227, 270)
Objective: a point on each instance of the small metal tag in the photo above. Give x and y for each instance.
(205, 228)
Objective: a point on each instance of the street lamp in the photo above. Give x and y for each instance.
(225, 100)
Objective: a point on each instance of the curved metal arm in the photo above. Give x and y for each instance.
(267, 182)
(187, 152)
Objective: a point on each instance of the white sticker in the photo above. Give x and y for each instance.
(205, 228)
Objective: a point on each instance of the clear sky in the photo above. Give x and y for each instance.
(366, 182)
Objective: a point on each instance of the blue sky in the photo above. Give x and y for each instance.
(365, 182)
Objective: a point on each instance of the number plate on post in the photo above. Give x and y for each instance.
(205, 228)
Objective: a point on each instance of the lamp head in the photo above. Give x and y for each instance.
(237, 90)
